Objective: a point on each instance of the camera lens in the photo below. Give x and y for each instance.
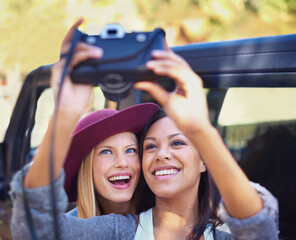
(115, 87)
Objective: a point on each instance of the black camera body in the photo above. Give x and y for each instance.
(124, 60)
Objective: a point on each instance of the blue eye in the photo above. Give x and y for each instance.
(131, 150)
(178, 143)
(105, 151)
(150, 146)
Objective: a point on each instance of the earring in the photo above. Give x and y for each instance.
(204, 167)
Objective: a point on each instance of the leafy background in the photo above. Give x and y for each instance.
(32, 30)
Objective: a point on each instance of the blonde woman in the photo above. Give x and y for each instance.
(103, 164)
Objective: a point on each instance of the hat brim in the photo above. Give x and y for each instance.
(132, 119)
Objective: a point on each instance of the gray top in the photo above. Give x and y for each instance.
(261, 226)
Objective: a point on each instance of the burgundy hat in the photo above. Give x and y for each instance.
(97, 126)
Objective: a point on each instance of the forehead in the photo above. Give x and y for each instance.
(124, 137)
(163, 126)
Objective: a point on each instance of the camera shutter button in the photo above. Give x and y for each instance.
(90, 40)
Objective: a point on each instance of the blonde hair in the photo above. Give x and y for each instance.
(87, 205)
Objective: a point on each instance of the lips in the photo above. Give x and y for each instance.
(120, 180)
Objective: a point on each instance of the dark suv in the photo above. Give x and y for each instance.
(251, 89)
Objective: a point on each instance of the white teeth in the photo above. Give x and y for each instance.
(166, 172)
(115, 178)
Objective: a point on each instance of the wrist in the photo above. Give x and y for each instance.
(203, 133)
(199, 128)
(66, 118)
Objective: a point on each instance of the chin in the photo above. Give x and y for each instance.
(118, 198)
(165, 193)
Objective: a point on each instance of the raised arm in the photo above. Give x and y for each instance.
(74, 100)
(188, 108)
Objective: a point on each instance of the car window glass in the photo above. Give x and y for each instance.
(255, 105)
(8, 97)
(247, 112)
(6, 110)
(45, 108)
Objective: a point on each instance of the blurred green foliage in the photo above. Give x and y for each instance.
(29, 32)
(214, 20)
(32, 30)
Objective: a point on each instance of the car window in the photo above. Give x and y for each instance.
(45, 108)
(43, 112)
(7, 102)
(6, 111)
(249, 112)
(254, 105)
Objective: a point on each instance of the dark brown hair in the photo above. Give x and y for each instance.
(208, 195)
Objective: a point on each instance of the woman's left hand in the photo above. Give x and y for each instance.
(187, 105)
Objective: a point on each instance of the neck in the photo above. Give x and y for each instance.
(182, 214)
(174, 217)
(108, 207)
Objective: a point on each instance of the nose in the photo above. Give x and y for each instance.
(164, 154)
(121, 161)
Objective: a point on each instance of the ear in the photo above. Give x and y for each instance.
(203, 167)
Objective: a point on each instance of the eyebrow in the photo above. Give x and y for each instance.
(174, 135)
(132, 145)
(169, 137)
(109, 147)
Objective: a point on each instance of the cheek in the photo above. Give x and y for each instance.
(100, 167)
(194, 163)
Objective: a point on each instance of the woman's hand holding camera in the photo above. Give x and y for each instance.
(74, 98)
(187, 105)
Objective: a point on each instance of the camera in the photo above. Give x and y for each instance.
(124, 60)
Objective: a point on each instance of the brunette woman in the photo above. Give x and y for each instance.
(181, 154)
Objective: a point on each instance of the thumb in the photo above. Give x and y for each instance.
(71, 31)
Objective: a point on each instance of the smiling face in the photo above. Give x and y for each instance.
(171, 165)
(116, 167)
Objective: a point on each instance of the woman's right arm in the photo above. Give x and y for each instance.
(70, 227)
(74, 100)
